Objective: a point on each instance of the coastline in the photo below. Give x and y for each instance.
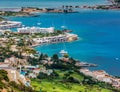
(80, 50)
(32, 11)
(64, 74)
(51, 43)
(102, 76)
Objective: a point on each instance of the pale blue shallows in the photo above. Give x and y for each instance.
(47, 3)
(99, 32)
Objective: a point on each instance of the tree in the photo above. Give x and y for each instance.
(42, 75)
(41, 57)
(66, 75)
(66, 55)
(55, 58)
(45, 56)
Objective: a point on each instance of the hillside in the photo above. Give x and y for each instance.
(69, 82)
(11, 86)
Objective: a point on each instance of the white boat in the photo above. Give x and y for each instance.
(63, 27)
(38, 23)
(63, 52)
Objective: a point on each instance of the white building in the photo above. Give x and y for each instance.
(35, 30)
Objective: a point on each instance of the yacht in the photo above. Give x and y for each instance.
(63, 52)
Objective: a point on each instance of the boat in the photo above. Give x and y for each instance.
(64, 27)
(63, 52)
(38, 23)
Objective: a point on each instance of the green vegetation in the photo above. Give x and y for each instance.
(30, 36)
(41, 35)
(102, 7)
(65, 75)
(59, 84)
(52, 86)
(1, 19)
(21, 46)
(5, 52)
(9, 13)
(67, 78)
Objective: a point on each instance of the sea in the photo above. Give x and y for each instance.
(98, 31)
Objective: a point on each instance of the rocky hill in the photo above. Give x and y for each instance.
(8, 85)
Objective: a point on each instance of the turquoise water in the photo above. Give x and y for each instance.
(99, 31)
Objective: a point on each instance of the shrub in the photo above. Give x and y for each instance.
(42, 75)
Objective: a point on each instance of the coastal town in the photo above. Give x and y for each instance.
(24, 69)
(18, 64)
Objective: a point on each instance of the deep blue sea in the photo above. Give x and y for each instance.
(99, 31)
